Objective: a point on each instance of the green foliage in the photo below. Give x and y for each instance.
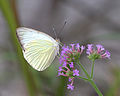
(10, 18)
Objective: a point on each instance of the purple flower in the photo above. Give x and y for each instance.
(66, 49)
(62, 52)
(68, 55)
(100, 48)
(73, 49)
(64, 58)
(72, 45)
(64, 46)
(70, 79)
(62, 74)
(70, 86)
(64, 64)
(59, 73)
(82, 48)
(90, 49)
(71, 65)
(97, 52)
(106, 54)
(78, 47)
(60, 69)
(75, 72)
(60, 59)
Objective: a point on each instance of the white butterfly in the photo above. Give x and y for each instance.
(39, 49)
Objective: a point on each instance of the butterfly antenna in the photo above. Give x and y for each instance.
(62, 28)
(54, 32)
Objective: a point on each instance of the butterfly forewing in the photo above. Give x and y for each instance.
(39, 49)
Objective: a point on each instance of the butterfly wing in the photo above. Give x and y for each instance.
(39, 49)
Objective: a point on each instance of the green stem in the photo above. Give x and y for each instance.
(84, 70)
(83, 78)
(90, 79)
(95, 87)
(10, 18)
(60, 90)
(92, 70)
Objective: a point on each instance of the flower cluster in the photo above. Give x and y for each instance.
(97, 52)
(69, 55)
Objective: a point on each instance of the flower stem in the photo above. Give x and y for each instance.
(92, 70)
(83, 78)
(86, 73)
(95, 87)
(90, 78)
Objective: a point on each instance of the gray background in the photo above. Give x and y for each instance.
(96, 21)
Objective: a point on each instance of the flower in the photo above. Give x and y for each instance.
(106, 54)
(82, 48)
(60, 69)
(99, 48)
(69, 86)
(64, 64)
(69, 53)
(75, 72)
(78, 46)
(68, 57)
(90, 49)
(73, 47)
(71, 65)
(97, 52)
(70, 79)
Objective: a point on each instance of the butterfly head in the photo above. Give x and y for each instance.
(57, 40)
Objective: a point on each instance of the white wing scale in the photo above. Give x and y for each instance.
(39, 49)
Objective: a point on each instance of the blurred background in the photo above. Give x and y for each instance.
(88, 21)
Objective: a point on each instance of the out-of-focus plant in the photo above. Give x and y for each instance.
(115, 86)
(12, 23)
(36, 81)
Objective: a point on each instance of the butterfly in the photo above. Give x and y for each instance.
(39, 49)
